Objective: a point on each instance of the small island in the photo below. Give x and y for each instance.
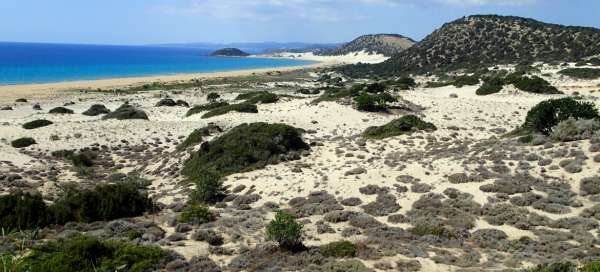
(229, 52)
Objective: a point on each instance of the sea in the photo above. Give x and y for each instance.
(24, 63)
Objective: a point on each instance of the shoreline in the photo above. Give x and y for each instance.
(40, 90)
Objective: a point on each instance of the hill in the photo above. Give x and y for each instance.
(384, 44)
(489, 40)
(229, 52)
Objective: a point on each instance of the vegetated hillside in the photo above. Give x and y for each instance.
(229, 52)
(489, 40)
(385, 44)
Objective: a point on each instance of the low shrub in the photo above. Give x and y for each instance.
(22, 211)
(334, 94)
(95, 110)
(243, 107)
(191, 140)
(258, 97)
(206, 107)
(126, 112)
(196, 214)
(286, 231)
(555, 267)
(244, 148)
(581, 73)
(212, 97)
(209, 188)
(403, 125)
(405, 83)
(547, 114)
(340, 249)
(81, 159)
(61, 110)
(88, 254)
(491, 86)
(435, 230)
(22, 142)
(166, 102)
(574, 130)
(37, 124)
(376, 87)
(104, 202)
(533, 84)
(465, 80)
(373, 102)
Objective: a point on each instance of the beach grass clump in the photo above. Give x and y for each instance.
(286, 231)
(23, 142)
(95, 110)
(547, 114)
(37, 124)
(245, 148)
(88, 254)
(20, 210)
(374, 102)
(61, 110)
(339, 249)
(196, 214)
(206, 107)
(126, 112)
(243, 107)
(491, 86)
(403, 125)
(434, 230)
(575, 130)
(581, 73)
(262, 97)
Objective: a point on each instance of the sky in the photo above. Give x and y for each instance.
(136, 22)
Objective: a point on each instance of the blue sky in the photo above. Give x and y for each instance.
(181, 21)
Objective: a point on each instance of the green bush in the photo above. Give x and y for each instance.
(533, 84)
(95, 110)
(126, 112)
(403, 125)
(373, 102)
(201, 108)
(465, 80)
(339, 249)
(22, 142)
(435, 230)
(258, 97)
(334, 94)
(196, 136)
(37, 124)
(555, 267)
(285, 230)
(196, 214)
(87, 254)
(581, 73)
(547, 114)
(209, 188)
(406, 83)
(491, 86)
(22, 211)
(61, 110)
(212, 97)
(104, 202)
(375, 88)
(244, 148)
(243, 107)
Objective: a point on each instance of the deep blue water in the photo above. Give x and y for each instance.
(42, 63)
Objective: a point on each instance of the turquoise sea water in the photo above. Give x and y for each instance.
(43, 63)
